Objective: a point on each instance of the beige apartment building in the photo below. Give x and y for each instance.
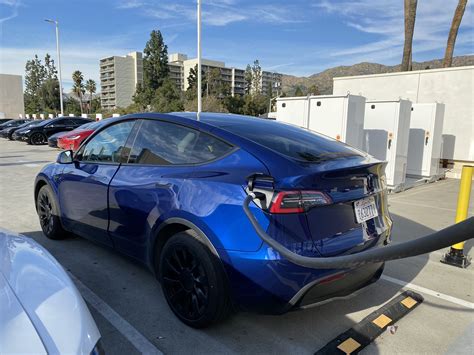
(11, 96)
(119, 77)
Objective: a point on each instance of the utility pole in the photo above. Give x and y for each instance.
(59, 64)
(199, 73)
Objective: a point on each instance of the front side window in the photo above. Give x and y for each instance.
(163, 143)
(107, 146)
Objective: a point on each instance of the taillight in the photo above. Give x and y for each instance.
(297, 201)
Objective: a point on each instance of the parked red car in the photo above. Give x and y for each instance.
(73, 139)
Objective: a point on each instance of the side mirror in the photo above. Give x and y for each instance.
(65, 157)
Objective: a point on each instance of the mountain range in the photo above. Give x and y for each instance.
(323, 80)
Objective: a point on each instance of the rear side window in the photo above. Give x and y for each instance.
(163, 143)
(294, 142)
(108, 145)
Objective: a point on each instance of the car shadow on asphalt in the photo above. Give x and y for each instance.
(133, 292)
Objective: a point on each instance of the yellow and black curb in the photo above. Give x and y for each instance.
(362, 334)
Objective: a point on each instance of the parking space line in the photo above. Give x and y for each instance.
(427, 291)
(142, 344)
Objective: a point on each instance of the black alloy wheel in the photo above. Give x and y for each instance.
(185, 283)
(45, 213)
(193, 281)
(48, 214)
(38, 139)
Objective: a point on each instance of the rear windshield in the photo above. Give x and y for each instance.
(294, 142)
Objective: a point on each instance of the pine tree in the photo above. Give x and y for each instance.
(256, 77)
(155, 69)
(50, 69)
(248, 79)
(35, 75)
(155, 61)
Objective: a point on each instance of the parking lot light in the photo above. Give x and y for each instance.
(59, 64)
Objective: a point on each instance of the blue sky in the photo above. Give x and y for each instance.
(293, 37)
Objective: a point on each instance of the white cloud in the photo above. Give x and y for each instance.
(10, 8)
(215, 13)
(384, 21)
(130, 4)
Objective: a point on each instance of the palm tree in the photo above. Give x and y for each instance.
(410, 15)
(91, 89)
(453, 32)
(78, 87)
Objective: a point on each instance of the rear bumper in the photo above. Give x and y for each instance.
(263, 282)
(349, 283)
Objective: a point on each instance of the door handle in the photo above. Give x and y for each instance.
(162, 185)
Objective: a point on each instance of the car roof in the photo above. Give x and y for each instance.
(219, 119)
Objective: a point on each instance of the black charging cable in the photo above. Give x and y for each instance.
(444, 238)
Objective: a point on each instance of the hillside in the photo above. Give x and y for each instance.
(323, 80)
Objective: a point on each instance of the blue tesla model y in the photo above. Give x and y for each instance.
(168, 191)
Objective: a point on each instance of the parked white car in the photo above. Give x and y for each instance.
(41, 311)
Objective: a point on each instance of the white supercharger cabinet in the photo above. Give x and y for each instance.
(425, 143)
(338, 117)
(386, 131)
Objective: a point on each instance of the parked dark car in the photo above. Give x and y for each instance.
(12, 123)
(53, 140)
(40, 133)
(8, 132)
(3, 120)
(169, 191)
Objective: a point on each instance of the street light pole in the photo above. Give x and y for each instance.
(199, 95)
(59, 65)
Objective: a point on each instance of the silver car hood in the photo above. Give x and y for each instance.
(41, 310)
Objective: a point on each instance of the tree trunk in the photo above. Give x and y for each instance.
(410, 15)
(80, 103)
(453, 32)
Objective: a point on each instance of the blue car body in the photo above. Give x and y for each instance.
(133, 208)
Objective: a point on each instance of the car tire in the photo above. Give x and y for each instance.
(48, 213)
(38, 139)
(193, 281)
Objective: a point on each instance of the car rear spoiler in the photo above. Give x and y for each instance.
(442, 239)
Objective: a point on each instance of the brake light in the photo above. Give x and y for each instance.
(297, 201)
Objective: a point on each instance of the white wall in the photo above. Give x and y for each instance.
(11, 96)
(452, 86)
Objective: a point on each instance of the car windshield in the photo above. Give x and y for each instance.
(294, 142)
(7, 123)
(42, 123)
(34, 123)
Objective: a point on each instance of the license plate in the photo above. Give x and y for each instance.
(365, 209)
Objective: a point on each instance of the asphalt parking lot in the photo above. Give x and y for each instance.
(133, 316)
